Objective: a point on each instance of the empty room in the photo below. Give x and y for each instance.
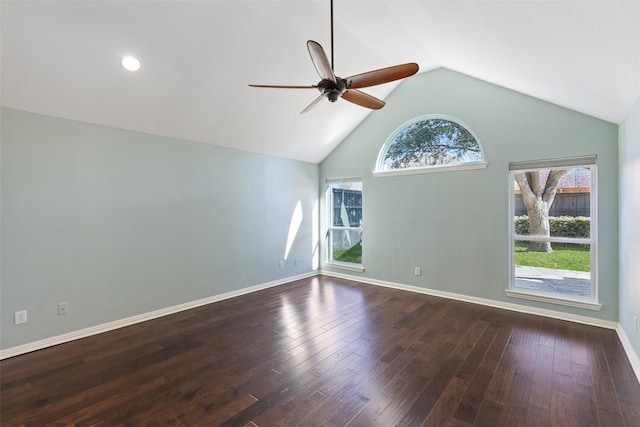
(320, 213)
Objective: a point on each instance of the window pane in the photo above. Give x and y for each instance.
(566, 270)
(430, 141)
(347, 207)
(553, 203)
(346, 246)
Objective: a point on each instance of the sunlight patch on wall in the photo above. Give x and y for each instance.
(294, 227)
(315, 258)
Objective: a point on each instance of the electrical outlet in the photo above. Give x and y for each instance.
(635, 324)
(63, 308)
(21, 317)
(281, 264)
(417, 271)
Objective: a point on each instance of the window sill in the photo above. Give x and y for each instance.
(344, 266)
(553, 299)
(431, 169)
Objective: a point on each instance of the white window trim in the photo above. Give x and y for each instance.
(589, 303)
(380, 172)
(329, 202)
(552, 298)
(431, 169)
(343, 180)
(345, 266)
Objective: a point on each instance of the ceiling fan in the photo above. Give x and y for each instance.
(333, 87)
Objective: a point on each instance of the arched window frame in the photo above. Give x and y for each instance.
(380, 171)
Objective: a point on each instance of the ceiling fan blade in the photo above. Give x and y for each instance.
(320, 61)
(383, 75)
(363, 99)
(313, 104)
(286, 87)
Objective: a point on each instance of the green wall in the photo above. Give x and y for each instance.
(120, 223)
(455, 225)
(630, 224)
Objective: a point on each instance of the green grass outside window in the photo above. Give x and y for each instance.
(563, 257)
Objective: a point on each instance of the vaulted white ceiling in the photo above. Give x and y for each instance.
(62, 58)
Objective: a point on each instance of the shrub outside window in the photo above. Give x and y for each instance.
(433, 142)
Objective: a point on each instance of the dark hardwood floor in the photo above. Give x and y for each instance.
(329, 352)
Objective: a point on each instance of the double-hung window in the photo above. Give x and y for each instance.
(553, 231)
(344, 219)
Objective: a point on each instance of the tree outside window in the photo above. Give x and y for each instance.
(430, 141)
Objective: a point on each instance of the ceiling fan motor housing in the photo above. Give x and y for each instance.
(332, 90)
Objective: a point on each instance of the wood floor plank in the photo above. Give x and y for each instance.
(468, 408)
(329, 352)
(386, 386)
(446, 403)
(489, 414)
(560, 410)
(630, 414)
(429, 406)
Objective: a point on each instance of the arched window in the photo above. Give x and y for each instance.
(432, 142)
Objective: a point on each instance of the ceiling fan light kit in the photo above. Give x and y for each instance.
(332, 87)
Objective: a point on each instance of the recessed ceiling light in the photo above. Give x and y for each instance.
(130, 63)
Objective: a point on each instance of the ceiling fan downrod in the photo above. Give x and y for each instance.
(332, 64)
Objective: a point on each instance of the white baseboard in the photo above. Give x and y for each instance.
(105, 327)
(628, 348)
